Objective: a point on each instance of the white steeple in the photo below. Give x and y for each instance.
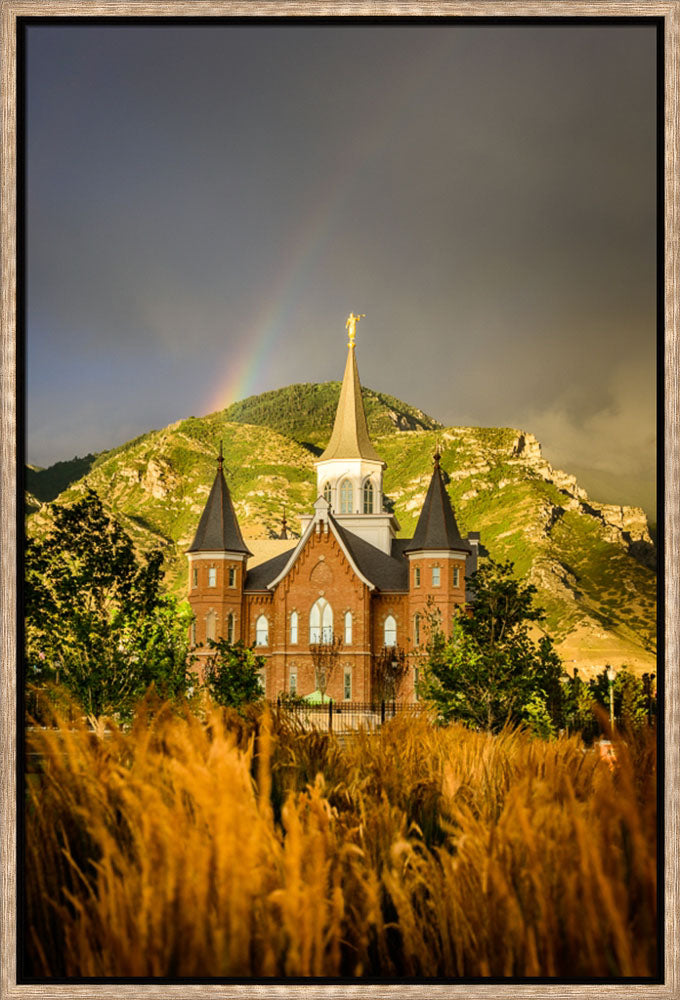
(349, 473)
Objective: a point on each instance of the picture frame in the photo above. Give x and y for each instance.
(12, 12)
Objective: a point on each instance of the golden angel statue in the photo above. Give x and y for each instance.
(351, 325)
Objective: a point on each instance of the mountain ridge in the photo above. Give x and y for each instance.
(592, 563)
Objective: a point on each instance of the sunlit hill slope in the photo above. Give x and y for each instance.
(593, 564)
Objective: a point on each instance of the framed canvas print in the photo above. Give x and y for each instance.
(340, 499)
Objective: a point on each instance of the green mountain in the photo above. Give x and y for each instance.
(593, 564)
(47, 484)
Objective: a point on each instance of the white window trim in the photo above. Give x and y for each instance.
(258, 630)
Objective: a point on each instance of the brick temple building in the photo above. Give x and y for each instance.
(348, 576)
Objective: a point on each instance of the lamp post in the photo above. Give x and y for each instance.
(611, 674)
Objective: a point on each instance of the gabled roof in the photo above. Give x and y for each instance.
(323, 513)
(218, 529)
(386, 572)
(350, 432)
(437, 528)
(379, 571)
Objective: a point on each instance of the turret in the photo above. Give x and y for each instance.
(217, 567)
(438, 558)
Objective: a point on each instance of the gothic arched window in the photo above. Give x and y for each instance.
(321, 622)
(346, 497)
(262, 631)
(368, 497)
(293, 626)
(390, 631)
(210, 622)
(416, 629)
(327, 492)
(348, 628)
(231, 629)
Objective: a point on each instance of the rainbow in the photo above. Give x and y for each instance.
(278, 313)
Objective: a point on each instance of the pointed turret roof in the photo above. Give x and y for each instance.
(218, 529)
(350, 433)
(437, 528)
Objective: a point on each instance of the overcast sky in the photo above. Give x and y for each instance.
(207, 204)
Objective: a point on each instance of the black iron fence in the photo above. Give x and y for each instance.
(342, 716)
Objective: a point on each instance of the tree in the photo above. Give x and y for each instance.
(631, 696)
(232, 673)
(490, 671)
(96, 619)
(389, 669)
(325, 659)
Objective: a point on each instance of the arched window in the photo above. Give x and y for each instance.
(348, 628)
(390, 631)
(327, 492)
(193, 633)
(346, 497)
(321, 622)
(416, 630)
(262, 631)
(368, 497)
(231, 623)
(210, 620)
(293, 626)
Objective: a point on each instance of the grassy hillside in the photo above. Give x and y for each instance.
(305, 412)
(592, 563)
(47, 484)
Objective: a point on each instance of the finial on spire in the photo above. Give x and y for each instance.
(351, 326)
(284, 524)
(220, 459)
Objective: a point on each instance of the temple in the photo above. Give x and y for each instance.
(350, 593)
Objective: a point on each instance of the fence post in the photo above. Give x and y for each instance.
(330, 715)
(382, 711)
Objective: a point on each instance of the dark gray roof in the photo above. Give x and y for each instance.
(386, 572)
(259, 576)
(218, 528)
(437, 528)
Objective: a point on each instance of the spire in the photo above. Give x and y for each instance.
(350, 432)
(284, 524)
(218, 529)
(437, 528)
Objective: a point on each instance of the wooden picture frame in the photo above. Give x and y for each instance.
(12, 10)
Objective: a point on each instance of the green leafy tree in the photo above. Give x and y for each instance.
(232, 673)
(490, 671)
(631, 699)
(577, 713)
(96, 619)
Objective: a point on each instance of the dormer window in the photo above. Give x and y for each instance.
(346, 497)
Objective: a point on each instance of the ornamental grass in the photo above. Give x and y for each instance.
(187, 846)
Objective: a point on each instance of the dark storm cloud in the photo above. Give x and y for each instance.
(485, 194)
